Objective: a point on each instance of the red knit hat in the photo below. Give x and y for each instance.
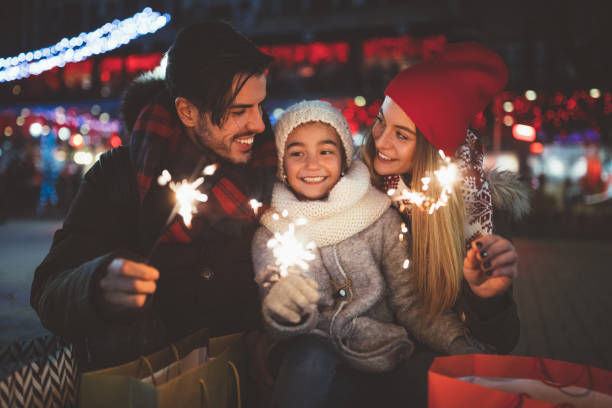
(442, 95)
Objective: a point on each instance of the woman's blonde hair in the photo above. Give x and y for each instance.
(438, 242)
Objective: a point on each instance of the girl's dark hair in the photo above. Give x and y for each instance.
(203, 62)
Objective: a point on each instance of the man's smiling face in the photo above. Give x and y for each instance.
(233, 139)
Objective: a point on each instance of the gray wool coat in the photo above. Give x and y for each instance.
(372, 325)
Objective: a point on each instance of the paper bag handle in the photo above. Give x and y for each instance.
(549, 380)
(177, 357)
(520, 397)
(237, 379)
(205, 396)
(147, 363)
(518, 402)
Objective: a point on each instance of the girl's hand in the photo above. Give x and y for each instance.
(292, 297)
(490, 266)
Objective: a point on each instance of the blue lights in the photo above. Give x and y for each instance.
(106, 38)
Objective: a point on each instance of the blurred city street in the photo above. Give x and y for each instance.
(23, 245)
(563, 295)
(563, 292)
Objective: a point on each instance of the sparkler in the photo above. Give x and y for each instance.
(209, 170)
(289, 251)
(404, 230)
(445, 176)
(186, 194)
(255, 205)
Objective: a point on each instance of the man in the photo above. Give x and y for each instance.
(118, 280)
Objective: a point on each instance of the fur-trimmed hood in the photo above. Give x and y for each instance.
(138, 94)
(508, 193)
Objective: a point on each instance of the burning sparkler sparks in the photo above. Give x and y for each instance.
(164, 178)
(186, 193)
(209, 170)
(255, 205)
(445, 176)
(289, 251)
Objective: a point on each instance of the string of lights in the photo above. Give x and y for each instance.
(106, 38)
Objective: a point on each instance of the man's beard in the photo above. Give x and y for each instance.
(222, 148)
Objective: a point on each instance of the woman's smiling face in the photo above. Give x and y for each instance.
(313, 160)
(395, 138)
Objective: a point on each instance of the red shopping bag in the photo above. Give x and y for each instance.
(485, 380)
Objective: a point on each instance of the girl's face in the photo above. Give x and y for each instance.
(395, 139)
(313, 160)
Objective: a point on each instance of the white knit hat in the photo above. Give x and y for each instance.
(311, 111)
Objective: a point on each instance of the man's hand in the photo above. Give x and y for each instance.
(127, 283)
(490, 265)
(292, 297)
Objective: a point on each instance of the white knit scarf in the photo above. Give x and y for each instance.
(353, 204)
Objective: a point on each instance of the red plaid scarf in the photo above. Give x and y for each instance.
(158, 142)
(474, 187)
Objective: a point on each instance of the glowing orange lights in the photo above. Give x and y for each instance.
(525, 133)
(76, 140)
(536, 148)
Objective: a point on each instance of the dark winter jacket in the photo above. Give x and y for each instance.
(207, 282)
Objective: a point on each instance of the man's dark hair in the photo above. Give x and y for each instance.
(203, 61)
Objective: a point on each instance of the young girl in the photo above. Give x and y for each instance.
(341, 313)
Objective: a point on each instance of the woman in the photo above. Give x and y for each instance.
(427, 108)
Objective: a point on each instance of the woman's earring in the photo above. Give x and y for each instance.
(285, 179)
(342, 174)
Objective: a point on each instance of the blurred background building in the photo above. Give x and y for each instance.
(64, 65)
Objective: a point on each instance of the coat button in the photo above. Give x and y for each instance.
(207, 273)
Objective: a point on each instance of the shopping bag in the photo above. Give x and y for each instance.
(40, 372)
(135, 383)
(219, 382)
(164, 380)
(485, 380)
(192, 360)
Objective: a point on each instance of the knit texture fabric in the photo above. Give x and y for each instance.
(475, 189)
(352, 205)
(311, 111)
(443, 94)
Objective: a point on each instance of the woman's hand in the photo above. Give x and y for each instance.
(490, 265)
(292, 297)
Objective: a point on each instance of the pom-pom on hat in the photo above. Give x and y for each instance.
(443, 94)
(311, 111)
